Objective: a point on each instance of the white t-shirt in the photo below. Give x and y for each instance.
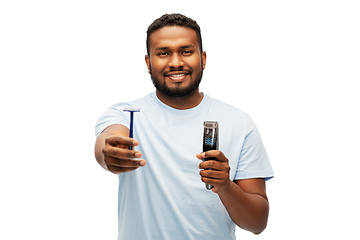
(166, 199)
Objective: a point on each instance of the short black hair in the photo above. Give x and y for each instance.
(175, 19)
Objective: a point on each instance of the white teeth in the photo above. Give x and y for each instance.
(177, 75)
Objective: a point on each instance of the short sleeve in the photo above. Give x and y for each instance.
(254, 161)
(113, 115)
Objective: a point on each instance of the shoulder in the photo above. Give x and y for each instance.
(116, 115)
(138, 103)
(218, 103)
(226, 109)
(232, 120)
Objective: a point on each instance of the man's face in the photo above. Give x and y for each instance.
(175, 62)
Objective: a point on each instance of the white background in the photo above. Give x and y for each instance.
(292, 65)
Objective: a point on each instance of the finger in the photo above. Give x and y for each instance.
(219, 185)
(214, 181)
(213, 164)
(216, 154)
(120, 140)
(207, 164)
(117, 152)
(199, 156)
(124, 163)
(214, 174)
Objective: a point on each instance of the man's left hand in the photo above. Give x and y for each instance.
(218, 176)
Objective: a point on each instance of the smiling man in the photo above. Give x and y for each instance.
(176, 62)
(161, 182)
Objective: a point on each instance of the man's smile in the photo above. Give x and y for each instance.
(175, 63)
(177, 76)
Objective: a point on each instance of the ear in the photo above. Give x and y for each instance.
(203, 57)
(147, 60)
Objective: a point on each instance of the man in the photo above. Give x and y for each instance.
(161, 189)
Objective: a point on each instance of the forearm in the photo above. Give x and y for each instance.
(248, 211)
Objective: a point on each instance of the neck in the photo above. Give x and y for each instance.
(181, 103)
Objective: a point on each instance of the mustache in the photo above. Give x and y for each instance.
(180, 69)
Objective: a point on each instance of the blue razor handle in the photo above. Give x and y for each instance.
(131, 130)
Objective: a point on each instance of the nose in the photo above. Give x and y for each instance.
(175, 61)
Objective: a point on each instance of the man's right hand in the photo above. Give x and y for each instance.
(118, 158)
(112, 150)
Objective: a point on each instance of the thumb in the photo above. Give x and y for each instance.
(199, 156)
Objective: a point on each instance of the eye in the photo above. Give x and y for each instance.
(187, 52)
(162, 54)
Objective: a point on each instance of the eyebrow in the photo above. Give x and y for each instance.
(188, 46)
(182, 47)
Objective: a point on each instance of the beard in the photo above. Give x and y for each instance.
(178, 91)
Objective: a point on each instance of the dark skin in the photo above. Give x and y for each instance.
(112, 153)
(177, 48)
(175, 51)
(245, 200)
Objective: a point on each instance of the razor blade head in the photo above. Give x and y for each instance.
(132, 109)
